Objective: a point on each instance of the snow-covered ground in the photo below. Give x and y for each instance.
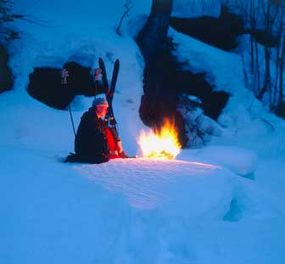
(219, 204)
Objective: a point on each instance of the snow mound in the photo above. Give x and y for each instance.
(238, 160)
(174, 186)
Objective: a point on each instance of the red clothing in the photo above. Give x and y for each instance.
(112, 143)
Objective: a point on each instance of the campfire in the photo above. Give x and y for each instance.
(161, 143)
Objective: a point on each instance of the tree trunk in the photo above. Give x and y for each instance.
(281, 81)
(257, 71)
(154, 33)
(152, 40)
(6, 77)
(160, 92)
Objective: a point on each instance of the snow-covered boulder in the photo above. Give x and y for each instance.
(239, 160)
(188, 189)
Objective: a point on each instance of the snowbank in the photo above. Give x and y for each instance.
(150, 183)
(196, 8)
(240, 161)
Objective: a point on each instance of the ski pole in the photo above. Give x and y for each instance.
(64, 76)
(72, 122)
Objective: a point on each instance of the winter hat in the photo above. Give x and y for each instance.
(99, 101)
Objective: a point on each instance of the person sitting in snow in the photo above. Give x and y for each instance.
(95, 142)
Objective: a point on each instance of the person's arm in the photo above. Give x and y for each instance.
(121, 151)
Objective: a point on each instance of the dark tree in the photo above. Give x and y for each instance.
(153, 36)
(163, 84)
(6, 16)
(157, 101)
(6, 34)
(160, 94)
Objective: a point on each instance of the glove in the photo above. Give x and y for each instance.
(123, 155)
(98, 74)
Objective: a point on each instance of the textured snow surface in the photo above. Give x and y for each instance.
(151, 183)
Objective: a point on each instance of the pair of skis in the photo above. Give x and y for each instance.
(109, 93)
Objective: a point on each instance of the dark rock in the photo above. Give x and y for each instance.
(221, 32)
(214, 103)
(6, 77)
(264, 38)
(196, 84)
(280, 111)
(46, 86)
(80, 78)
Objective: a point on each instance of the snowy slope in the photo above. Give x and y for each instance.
(63, 32)
(198, 209)
(244, 117)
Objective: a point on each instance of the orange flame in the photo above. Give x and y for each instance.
(161, 144)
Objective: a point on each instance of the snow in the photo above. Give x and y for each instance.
(222, 203)
(196, 8)
(238, 160)
(152, 183)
